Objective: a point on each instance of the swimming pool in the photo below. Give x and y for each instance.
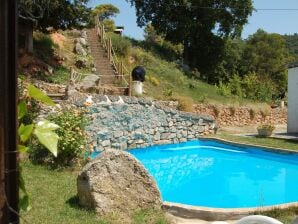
(214, 174)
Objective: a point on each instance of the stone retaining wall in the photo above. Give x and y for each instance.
(140, 122)
(238, 116)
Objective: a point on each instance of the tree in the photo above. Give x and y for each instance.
(201, 26)
(105, 11)
(266, 55)
(59, 14)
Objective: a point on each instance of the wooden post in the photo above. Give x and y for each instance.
(121, 70)
(110, 49)
(9, 174)
(130, 85)
(101, 35)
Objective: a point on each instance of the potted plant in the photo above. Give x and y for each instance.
(265, 130)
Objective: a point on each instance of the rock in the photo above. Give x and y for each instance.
(89, 83)
(84, 34)
(79, 49)
(82, 41)
(115, 182)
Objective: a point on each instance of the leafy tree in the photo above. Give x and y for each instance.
(201, 26)
(105, 11)
(292, 46)
(266, 55)
(59, 14)
(232, 58)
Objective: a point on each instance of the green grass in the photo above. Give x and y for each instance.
(53, 200)
(269, 142)
(286, 216)
(169, 76)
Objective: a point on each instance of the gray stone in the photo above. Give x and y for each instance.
(115, 182)
(89, 83)
(79, 49)
(165, 136)
(84, 34)
(106, 143)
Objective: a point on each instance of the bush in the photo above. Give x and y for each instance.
(121, 45)
(184, 103)
(72, 140)
(44, 46)
(153, 80)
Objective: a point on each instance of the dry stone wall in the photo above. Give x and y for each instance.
(239, 116)
(138, 122)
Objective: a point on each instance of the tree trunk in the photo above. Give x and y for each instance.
(29, 40)
(8, 122)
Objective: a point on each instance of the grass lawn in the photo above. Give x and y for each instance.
(53, 200)
(269, 142)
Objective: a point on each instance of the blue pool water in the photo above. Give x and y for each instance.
(214, 174)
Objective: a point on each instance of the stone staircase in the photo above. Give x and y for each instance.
(109, 82)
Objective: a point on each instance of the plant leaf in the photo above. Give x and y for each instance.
(22, 148)
(40, 96)
(22, 109)
(25, 132)
(44, 131)
(24, 202)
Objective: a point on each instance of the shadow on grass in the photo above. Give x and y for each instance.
(74, 202)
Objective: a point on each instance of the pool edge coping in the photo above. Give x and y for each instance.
(268, 148)
(218, 214)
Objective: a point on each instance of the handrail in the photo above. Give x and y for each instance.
(118, 66)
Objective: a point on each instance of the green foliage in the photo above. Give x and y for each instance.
(121, 45)
(43, 46)
(72, 140)
(250, 87)
(267, 56)
(39, 96)
(292, 46)
(43, 131)
(109, 25)
(266, 127)
(105, 11)
(153, 80)
(59, 14)
(192, 17)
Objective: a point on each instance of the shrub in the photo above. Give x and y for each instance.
(153, 80)
(72, 140)
(120, 44)
(184, 103)
(268, 127)
(216, 110)
(232, 110)
(167, 92)
(44, 46)
(223, 89)
(252, 113)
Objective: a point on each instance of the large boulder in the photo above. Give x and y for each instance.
(89, 83)
(116, 182)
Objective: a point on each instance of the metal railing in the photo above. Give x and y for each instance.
(118, 66)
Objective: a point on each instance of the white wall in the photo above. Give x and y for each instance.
(293, 100)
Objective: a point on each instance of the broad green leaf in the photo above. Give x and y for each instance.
(40, 96)
(25, 132)
(24, 203)
(22, 109)
(44, 131)
(22, 148)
